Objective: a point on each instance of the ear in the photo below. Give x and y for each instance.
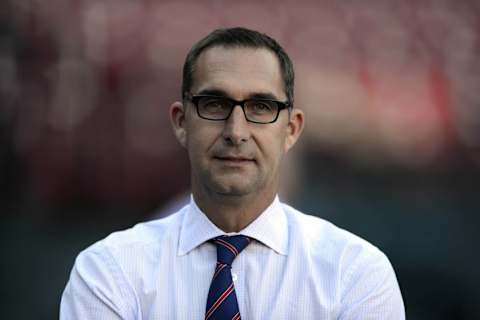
(177, 119)
(294, 128)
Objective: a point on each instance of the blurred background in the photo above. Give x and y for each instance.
(391, 150)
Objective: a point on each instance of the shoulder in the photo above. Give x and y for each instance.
(110, 267)
(103, 279)
(143, 239)
(146, 233)
(362, 273)
(319, 232)
(323, 241)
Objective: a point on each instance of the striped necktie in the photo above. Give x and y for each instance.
(222, 302)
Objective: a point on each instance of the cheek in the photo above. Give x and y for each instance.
(275, 149)
(200, 141)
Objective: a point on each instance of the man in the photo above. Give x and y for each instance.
(235, 251)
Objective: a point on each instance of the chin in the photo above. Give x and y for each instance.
(233, 188)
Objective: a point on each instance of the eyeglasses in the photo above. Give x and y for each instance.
(219, 108)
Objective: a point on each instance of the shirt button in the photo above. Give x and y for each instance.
(234, 277)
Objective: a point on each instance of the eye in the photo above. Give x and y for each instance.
(261, 107)
(211, 104)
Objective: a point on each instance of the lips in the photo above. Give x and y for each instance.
(234, 159)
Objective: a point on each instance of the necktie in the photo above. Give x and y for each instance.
(222, 301)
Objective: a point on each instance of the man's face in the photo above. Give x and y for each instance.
(236, 157)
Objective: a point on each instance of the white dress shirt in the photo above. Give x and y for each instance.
(297, 267)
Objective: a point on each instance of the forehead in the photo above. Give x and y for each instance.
(239, 72)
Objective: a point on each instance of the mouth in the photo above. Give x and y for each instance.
(234, 160)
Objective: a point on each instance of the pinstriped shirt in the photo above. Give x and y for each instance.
(297, 267)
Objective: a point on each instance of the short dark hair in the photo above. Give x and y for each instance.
(241, 38)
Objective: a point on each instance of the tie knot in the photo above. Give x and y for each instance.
(228, 247)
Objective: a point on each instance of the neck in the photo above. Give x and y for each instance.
(232, 213)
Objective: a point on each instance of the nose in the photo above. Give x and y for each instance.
(236, 130)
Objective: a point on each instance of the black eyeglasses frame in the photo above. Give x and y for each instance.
(196, 98)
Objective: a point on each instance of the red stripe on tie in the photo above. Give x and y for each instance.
(219, 301)
(237, 316)
(219, 268)
(228, 246)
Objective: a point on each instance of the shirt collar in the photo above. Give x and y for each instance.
(270, 228)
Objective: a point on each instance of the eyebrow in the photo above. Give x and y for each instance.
(222, 93)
